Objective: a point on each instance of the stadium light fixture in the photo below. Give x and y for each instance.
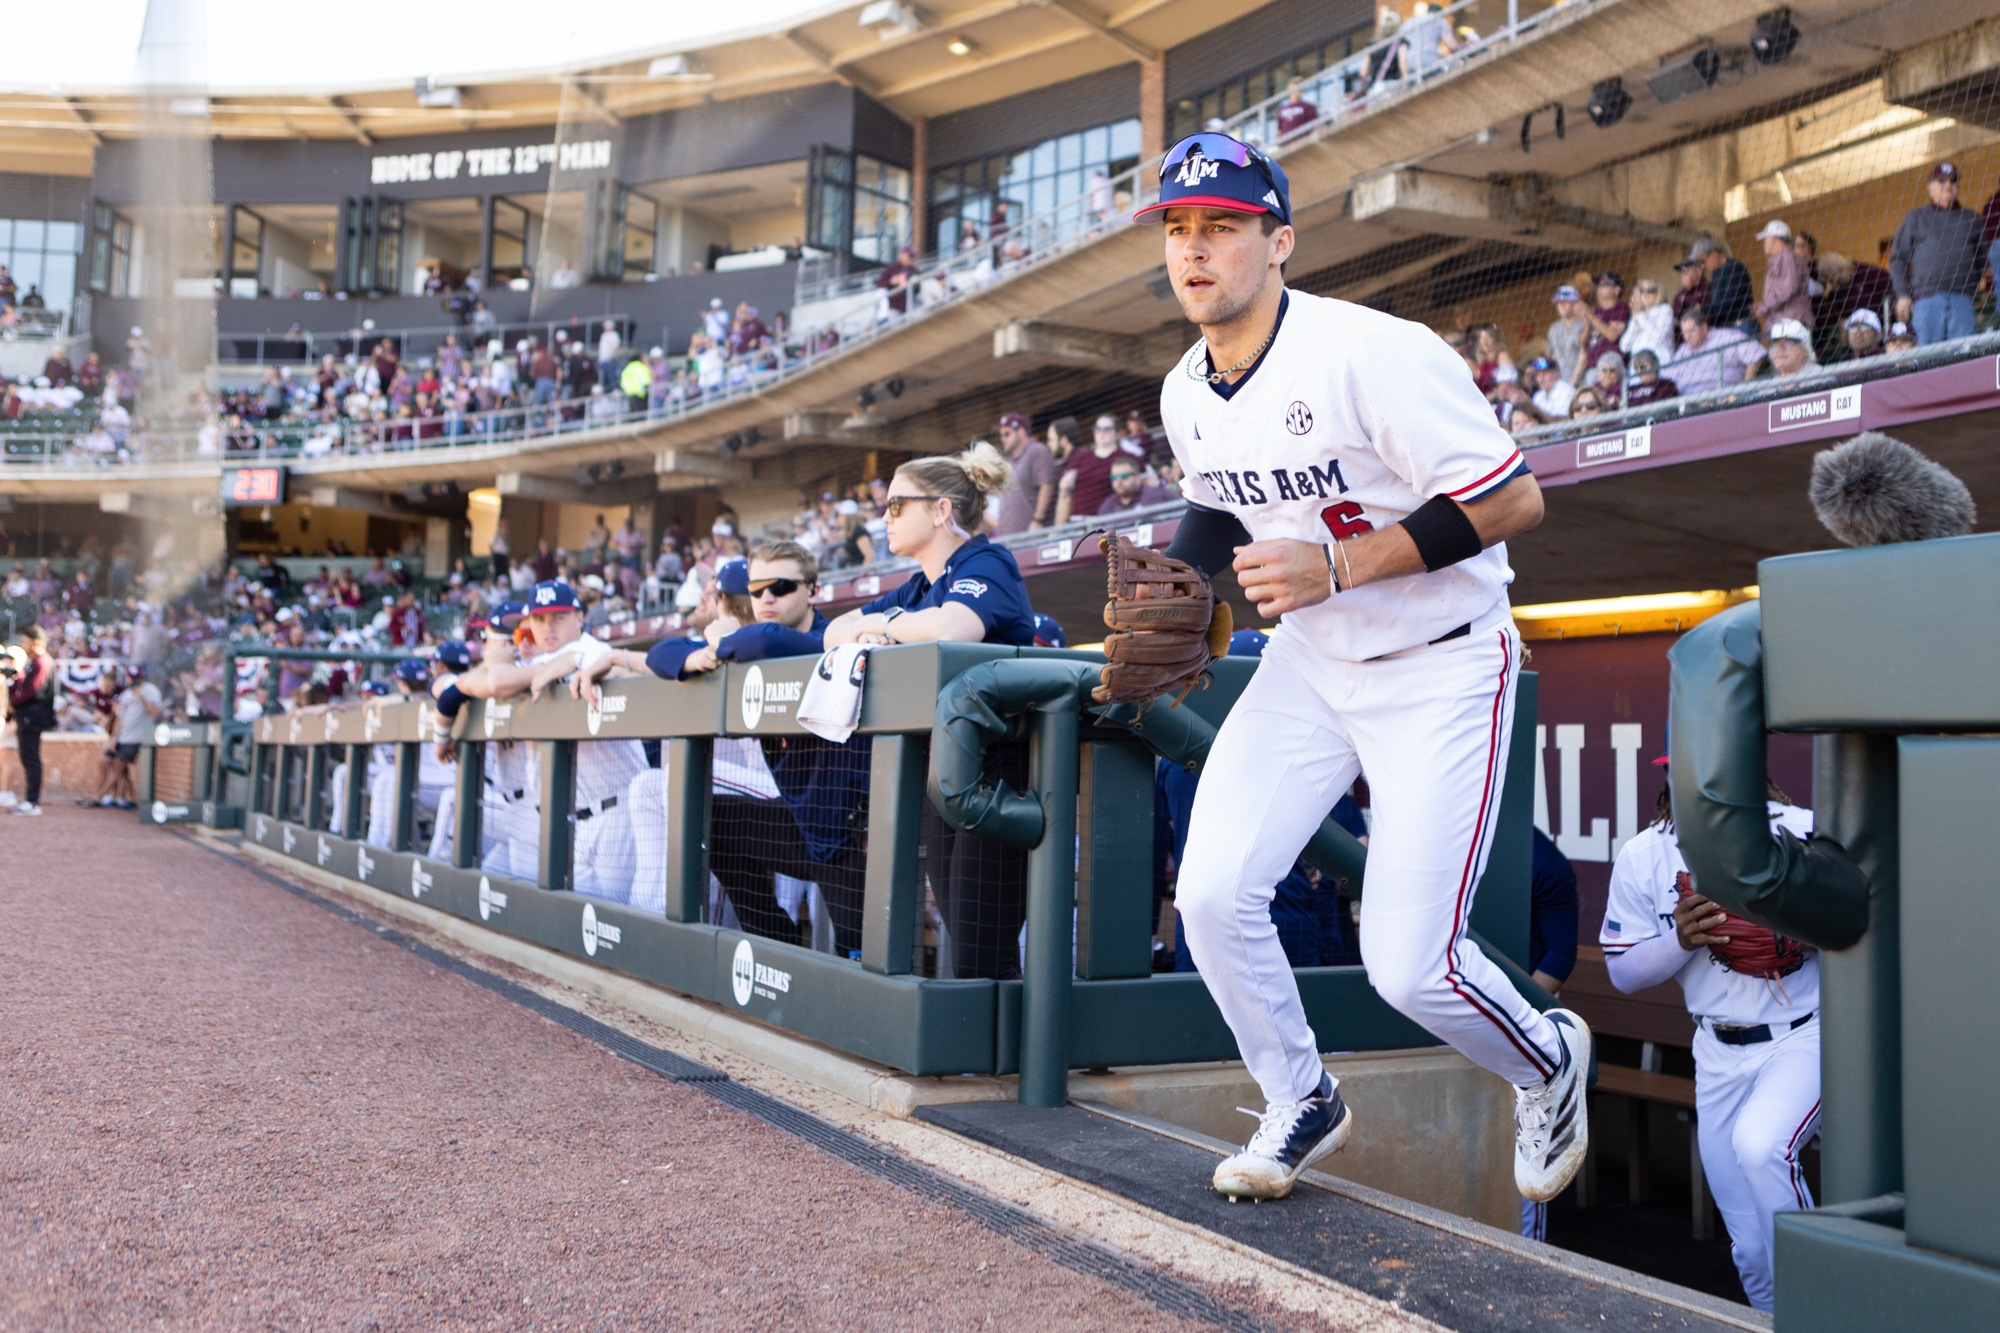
(430, 95)
(961, 45)
(890, 18)
(1608, 103)
(1774, 36)
(1685, 77)
(678, 66)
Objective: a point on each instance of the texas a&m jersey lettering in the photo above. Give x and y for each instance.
(1311, 482)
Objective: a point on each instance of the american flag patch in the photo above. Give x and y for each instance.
(1613, 927)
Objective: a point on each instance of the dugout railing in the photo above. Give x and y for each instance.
(1089, 892)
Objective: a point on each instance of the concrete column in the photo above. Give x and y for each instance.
(1153, 108)
(920, 189)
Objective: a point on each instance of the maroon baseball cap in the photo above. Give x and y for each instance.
(1945, 171)
(1014, 419)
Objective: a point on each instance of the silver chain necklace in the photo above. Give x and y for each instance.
(1216, 377)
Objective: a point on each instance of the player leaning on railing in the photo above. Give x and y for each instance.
(1344, 464)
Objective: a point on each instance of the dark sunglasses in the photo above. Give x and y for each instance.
(776, 587)
(893, 506)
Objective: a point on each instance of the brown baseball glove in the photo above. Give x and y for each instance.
(1753, 950)
(1166, 624)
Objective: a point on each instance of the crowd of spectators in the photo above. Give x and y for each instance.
(1814, 309)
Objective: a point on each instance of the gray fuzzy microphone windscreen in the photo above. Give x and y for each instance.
(1874, 490)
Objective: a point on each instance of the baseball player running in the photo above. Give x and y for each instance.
(1343, 463)
(1755, 999)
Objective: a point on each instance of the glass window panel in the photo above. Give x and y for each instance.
(1125, 139)
(999, 170)
(28, 235)
(100, 215)
(59, 281)
(1096, 145)
(1069, 152)
(26, 268)
(947, 235)
(1041, 199)
(63, 237)
(1069, 185)
(1044, 158)
(100, 262)
(896, 181)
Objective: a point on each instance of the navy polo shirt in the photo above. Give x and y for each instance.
(981, 577)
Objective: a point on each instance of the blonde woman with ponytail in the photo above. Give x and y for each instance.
(967, 590)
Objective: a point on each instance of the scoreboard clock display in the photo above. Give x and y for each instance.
(253, 486)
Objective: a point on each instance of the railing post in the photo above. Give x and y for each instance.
(142, 784)
(281, 782)
(895, 817)
(465, 834)
(687, 760)
(403, 828)
(1045, 980)
(558, 814)
(202, 776)
(352, 825)
(315, 787)
(1114, 886)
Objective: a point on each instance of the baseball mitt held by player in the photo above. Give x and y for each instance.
(1166, 626)
(1753, 950)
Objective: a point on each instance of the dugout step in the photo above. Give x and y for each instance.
(1461, 1274)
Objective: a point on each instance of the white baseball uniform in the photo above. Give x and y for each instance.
(1757, 1105)
(603, 858)
(434, 778)
(1350, 422)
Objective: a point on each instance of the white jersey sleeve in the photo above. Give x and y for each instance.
(1412, 396)
(1633, 911)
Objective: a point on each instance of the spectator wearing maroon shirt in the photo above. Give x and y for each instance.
(1295, 113)
(1086, 479)
(1129, 489)
(1647, 385)
(90, 375)
(1607, 318)
(544, 370)
(896, 278)
(78, 597)
(406, 623)
(1694, 292)
(1849, 287)
(58, 369)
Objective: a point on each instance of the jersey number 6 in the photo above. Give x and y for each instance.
(1344, 520)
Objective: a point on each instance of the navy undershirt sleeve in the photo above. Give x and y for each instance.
(756, 642)
(668, 656)
(449, 701)
(1207, 539)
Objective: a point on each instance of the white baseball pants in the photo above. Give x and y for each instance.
(1756, 1108)
(1430, 727)
(647, 795)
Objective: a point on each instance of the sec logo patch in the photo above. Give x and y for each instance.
(1299, 419)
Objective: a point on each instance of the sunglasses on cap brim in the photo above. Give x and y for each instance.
(1208, 145)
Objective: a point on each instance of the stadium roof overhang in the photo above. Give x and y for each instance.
(926, 60)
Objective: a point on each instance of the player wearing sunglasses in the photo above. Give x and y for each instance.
(807, 830)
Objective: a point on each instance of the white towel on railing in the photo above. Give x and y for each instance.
(831, 705)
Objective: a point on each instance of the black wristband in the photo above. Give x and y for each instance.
(1443, 534)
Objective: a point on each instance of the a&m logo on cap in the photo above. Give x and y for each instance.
(1196, 170)
(545, 595)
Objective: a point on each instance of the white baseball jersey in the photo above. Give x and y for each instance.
(1641, 906)
(1352, 421)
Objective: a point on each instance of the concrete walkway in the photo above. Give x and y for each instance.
(222, 1106)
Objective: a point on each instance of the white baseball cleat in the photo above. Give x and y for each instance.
(1290, 1137)
(1552, 1121)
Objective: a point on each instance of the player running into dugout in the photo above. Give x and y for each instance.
(1755, 999)
(1344, 464)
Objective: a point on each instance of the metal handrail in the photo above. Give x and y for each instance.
(353, 341)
